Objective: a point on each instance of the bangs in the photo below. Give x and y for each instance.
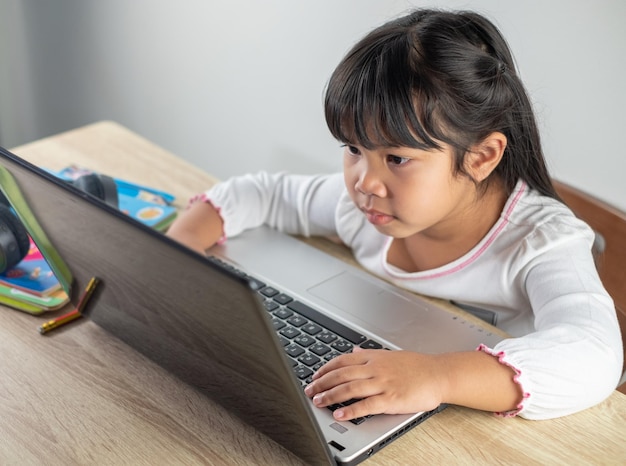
(377, 98)
(432, 79)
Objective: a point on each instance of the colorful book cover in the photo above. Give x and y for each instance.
(32, 275)
(150, 206)
(142, 206)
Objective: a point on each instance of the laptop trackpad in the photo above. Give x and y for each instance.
(367, 301)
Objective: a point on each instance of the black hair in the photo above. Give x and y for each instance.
(437, 76)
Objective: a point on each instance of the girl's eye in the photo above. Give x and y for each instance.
(352, 150)
(397, 160)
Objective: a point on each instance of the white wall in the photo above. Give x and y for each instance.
(237, 85)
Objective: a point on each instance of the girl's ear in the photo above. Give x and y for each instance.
(485, 156)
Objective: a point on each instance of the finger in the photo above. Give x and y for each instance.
(334, 364)
(337, 377)
(360, 357)
(347, 392)
(361, 408)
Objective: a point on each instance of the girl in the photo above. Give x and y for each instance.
(445, 192)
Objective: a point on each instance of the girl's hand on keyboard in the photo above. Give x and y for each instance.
(392, 382)
(402, 382)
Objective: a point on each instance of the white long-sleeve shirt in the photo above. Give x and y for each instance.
(534, 272)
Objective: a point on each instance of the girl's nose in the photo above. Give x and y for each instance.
(369, 183)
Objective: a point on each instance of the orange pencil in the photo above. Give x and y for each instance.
(73, 314)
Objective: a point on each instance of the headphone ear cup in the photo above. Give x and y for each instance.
(14, 240)
(101, 186)
(109, 189)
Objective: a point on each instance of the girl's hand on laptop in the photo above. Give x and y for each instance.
(392, 382)
(198, 227)
(402, 382)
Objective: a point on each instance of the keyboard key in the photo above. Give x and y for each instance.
(371, 344)
(297, 320)
(282, 298)
(342, 345)
(278, 324)
(309, 359)
(318, 366)
(311, 328)
(304, 340)
(269, 291)
(302, 372)
(270, 305)
(283, 313)
(358, 420)
(290, 332)
(319, 348)
(255, 284)
(294, 350)
(327, 337)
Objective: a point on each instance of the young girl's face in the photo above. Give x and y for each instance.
(404, 191)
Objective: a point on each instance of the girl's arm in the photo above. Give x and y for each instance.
(294, 204)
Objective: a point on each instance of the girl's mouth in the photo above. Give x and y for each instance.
(377, 218)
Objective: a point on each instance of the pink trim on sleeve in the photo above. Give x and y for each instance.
(525, 395)
(203, 198)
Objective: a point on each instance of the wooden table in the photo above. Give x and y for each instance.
(80, 396)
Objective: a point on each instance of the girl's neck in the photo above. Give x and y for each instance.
(423, 251)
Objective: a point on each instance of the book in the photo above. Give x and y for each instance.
(32, 275)
(146, 207)
(32, 303)
(150, 206)
(41, 281)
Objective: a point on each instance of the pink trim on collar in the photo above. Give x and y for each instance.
(502, 222)
(525, 395)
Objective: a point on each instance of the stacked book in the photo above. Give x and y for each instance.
(31, 285)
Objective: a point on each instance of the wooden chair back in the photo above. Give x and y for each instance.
(610, 223)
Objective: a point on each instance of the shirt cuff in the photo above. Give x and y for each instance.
(502, 360)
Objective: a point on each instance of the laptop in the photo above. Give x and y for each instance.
(216, 322)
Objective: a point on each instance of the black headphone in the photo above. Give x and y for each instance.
(14, 239)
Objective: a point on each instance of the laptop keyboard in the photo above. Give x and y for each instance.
(310, 339)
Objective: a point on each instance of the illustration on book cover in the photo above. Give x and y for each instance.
(32, 274)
